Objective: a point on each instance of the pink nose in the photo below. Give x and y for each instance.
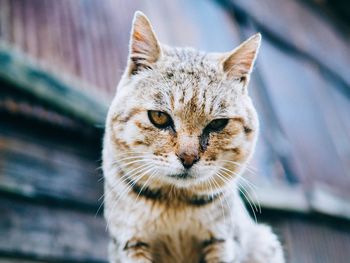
(188, 160)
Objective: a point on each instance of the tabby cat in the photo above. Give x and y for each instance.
(179, 133)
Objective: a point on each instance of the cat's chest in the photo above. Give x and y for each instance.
(155, 219)
(176, 234)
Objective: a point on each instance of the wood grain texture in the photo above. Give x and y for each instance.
(51, 233)
(301, 28)
(55, 235)
(23, 74)
(89, 39)
(49, 165)
(305, 109)
(311, 239)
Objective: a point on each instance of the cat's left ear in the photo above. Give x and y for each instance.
(144, 46)
(239, 63)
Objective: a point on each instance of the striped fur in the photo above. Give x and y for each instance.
(154, 214)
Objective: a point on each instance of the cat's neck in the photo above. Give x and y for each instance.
(170, 194)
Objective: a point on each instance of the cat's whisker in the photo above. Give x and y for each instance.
(122, 180)
(141, 157)
(244, 166)
(139, 178)
(145, 184)
(132, 154)
(217, 187)
(211, 194)
(135, 172)
(124, 166)
(245, 194)
(125, 191)
(251, 204)
(236, 172)
(126, 176)
(138, 169)
(98, 168)
(257, 208)
(222, 177)
(211, 191)
(249, 184)
(255, 195)
(100, 179)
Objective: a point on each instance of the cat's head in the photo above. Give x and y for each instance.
(182, 117)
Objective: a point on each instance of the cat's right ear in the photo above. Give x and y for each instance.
(240, 62)
(144, 47)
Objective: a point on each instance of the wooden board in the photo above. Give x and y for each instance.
(68, 236)
(296, 26)
(305, 109)
(51, 233)
(50, 165)
(89, 39)
(23, 74)
(311, 240)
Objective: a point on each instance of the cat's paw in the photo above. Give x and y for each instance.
(264, 247)
(218, 251)
(136, 251)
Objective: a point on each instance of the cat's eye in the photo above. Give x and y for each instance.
(160, 119)
(216, 125)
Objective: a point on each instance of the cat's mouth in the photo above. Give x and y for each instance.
(181, 176)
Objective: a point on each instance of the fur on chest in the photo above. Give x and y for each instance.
(174, 232)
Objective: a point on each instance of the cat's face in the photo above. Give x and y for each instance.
(181, 117)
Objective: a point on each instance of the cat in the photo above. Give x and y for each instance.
(179, 132)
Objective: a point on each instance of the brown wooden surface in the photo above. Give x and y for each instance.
(89, 39)
(305, 29)
(313, 240)
(59, 167)
(35, 231)
(308, 117)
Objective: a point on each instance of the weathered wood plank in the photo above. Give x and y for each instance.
(60, 167)
(24, 74)
(300, 27)
(49, 233)
(20, 260)
(311, 240)
(90, 39)
(303, 110)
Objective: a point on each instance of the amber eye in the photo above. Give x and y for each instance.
(160, 119)
(216, 125)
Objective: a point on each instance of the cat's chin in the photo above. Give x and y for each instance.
(182, 176)
(185, 180)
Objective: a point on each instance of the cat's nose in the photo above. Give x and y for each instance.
(188, 159)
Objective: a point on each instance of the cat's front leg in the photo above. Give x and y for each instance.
(133, 251)
(218, 251)
(263, 247)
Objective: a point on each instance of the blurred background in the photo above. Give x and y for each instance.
(60, 62)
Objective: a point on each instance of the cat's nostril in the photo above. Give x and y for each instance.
(188, 160)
